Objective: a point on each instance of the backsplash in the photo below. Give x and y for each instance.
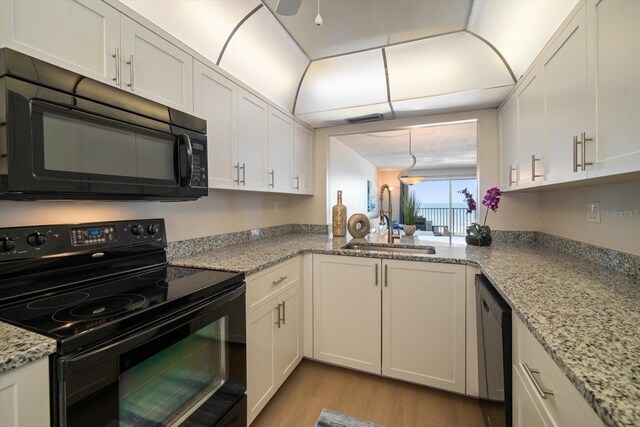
(188, 247)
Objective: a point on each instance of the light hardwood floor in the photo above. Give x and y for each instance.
(313, 386)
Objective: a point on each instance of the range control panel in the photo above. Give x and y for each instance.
(51, 240)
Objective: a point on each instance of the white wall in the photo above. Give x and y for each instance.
(220, 212)
(349, 172)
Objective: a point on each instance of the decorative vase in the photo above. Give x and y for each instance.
(339, 218)
(409, 229)
(482, 240)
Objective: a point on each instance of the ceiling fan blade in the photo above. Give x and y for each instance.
(288, 7)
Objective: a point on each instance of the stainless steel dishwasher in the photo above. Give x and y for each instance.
(494, 354)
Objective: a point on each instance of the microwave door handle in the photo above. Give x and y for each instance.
(189, 148)
(184, 144)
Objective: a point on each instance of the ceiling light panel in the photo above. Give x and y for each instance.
(518, 29)
(343, 82)
(464, 101)
(337, 117)
(441, 65)
(262, 55)
(204, 26)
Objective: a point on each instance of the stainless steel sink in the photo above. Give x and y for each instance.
(428, 250)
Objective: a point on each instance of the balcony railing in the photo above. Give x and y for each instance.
(460, 219)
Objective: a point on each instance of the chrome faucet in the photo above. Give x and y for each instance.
(389, 221)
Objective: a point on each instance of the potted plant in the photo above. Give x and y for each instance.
(480, 235)
(410, 205)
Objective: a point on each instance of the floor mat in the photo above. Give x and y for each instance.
(329, 418)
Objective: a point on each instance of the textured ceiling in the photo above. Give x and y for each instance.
(448, 145)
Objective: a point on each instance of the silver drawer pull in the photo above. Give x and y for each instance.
(279, 319)
(280, 280)
(541, 391)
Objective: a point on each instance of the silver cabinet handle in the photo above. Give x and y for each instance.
(298, 182)
(511, 170)
(237, 168)
(244, 174)
(278, 322)
(131, 73)
(583, 141)
(576, 165)
(541, 391)
(533, 168)
(273, 178)
(116, 57)
(280, 280)
(377, 274)
(284, 312)
(386, 275)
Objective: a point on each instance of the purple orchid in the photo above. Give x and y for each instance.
(492, 198)
(468, 198)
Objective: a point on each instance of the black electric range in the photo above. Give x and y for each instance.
(105, 293)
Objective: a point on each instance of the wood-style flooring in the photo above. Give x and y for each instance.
(313, 386)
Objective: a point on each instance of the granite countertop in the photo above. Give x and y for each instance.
(585, 316)
(20, 347)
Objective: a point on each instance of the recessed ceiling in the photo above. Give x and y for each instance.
(355, 25)
(447, 145)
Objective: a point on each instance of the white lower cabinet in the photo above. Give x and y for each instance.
(423, 323)
(542, 394)
(24, 395)
(274, 331)
(402, 319)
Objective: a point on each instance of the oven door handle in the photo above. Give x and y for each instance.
(123, 344)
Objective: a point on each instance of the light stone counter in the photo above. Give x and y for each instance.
(19, 347)
(585, 316)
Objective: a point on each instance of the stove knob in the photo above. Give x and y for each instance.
(152, 229)
(36, 239)
(7, 244)
(137, 229)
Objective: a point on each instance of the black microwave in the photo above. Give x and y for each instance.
(65, 136)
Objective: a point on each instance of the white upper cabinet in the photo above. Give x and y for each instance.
(564, 70)
(253, 116)
(509, 145)
(530, 121)
(614, 86)
(154, 68)
(303, 176)
(215, 100)
(79, 35)
(281, 151)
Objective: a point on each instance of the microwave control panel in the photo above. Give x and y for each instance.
(199, 172)
(93, 235)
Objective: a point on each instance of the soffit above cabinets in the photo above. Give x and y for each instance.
(395, 58)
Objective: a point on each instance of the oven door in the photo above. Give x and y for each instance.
(62, 146)
(189, 369)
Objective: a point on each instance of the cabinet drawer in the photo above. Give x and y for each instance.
(565, 407)
(263, 285)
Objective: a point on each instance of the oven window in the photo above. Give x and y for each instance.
(75, 144)
(163, 389)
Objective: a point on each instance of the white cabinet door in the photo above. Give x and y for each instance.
(154, 68)
(262, 382)
(423, 327)
(525, 412)
(530, 131)
(289, 349)
(24, 395)
(509, 145)
(252, 141)
(280, 151)
(347, 311)
(614, 86)
(303, 176)
(79, 35)
(215, 100)
(564, 70)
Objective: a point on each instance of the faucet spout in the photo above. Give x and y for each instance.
(390, 235)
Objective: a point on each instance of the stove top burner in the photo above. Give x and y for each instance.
(57, 301)
(99, 308)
